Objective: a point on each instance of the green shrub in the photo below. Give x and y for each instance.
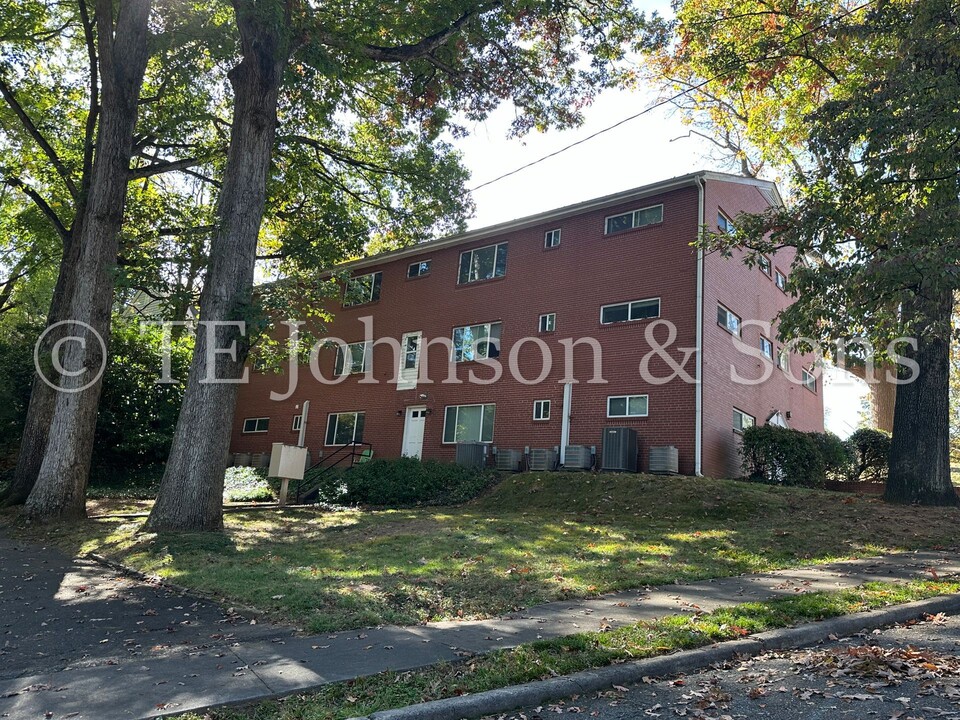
(836, 454)
(781, 456)
(247, 484)
(404, 482)
(870, 450)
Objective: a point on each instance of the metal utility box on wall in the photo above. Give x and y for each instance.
(472, 454)
(664, 460)
(619, 449)
(288, 461)
(509, 460)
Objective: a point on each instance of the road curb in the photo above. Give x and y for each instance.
(536, 693)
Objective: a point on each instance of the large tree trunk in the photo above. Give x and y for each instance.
(191, 493)
(61, 483)
(883, 395)
(920, 447)
(33, 441)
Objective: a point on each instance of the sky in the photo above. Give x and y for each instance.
(653, 147)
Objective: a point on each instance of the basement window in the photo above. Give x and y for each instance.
(256, 425)
(742, 420)
(621, 406)
(541, 409)
(344, 428)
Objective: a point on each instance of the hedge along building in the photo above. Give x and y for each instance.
(598, 315)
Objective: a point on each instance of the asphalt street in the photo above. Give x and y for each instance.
(907, 672)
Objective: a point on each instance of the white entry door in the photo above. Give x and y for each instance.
(413, 431)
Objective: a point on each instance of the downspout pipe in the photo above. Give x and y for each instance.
(698, 389)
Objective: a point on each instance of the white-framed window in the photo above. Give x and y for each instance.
(765, 267)
(636, 218)
(742, 420)
(728, 320)
(724, 224)
(766, 347)
(352, 359)
(551, 238)
(548, 322)
(297, 423)
(781, 280)
(344, 428)
(256, 425)
(783, 359)
(469, 423)
(418, 269)
(476, 342)
(627, 311)
(809, 380)
(541, 409)
(483, 263)
(619, 406)
(362, 289)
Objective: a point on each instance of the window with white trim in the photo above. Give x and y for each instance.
(636, 218)
(809, 380)
(628, 311)
(781, 280)
(724, 224)
(344, 428)
(353, 358)
(256, 425)
(469, 423)
(483, 264)
(766, 347)
(783, 359)
(742, 420)
(548, 322)
(728, 320)
(621, 406)
(765, 267)
(362, 289)
(476, 342)
(551, 238)
(297, 423)
(541, 409)
(418, 269)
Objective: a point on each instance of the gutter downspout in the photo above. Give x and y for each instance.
(698, 391)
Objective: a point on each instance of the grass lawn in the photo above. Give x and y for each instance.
(534, 537)
(565, 655)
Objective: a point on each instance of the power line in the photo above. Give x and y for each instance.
(666, 101)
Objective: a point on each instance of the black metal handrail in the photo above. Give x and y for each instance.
(339, 456)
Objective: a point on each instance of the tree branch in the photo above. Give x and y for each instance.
(162, 166)
(34, 132)
(42, 204)
(89, 138)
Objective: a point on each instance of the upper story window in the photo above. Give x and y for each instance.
(766, 347)
(781, 280)
(483, 263)
(809, 380)
(551, 238)
(634, 219)
(728, 320)
(476, 342)
(418, 269)
(742, 420)
(256, 425)
(764, 263)
(725, 225)
(362, 289)
(353, 358)
(783, 359)
(625, 312)
(548, 322)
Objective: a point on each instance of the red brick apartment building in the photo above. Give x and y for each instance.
(608, 269)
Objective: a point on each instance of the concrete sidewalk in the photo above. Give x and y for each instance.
(81, 641)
